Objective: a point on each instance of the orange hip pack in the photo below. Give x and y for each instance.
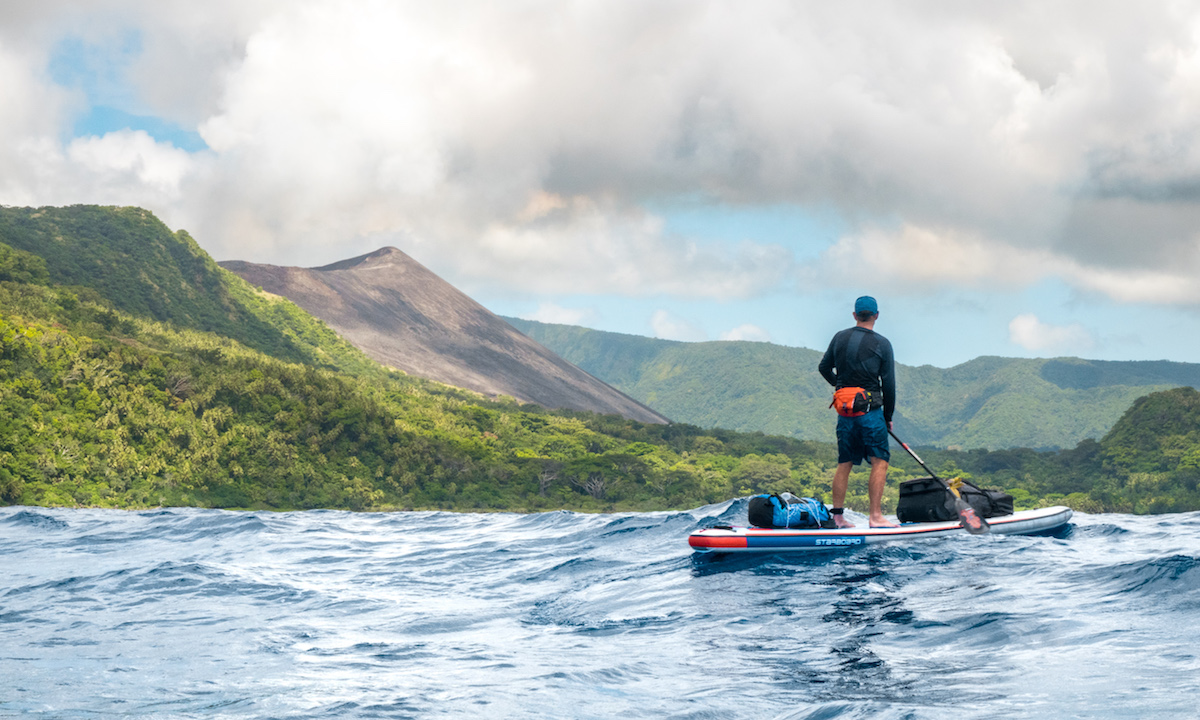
(851, 401)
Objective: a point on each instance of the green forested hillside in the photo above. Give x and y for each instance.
(196, 389)
(989, 402)
(191, 388)
(1149, 462)
(130, 261)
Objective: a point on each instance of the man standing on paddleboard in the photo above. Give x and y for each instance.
(860, 366)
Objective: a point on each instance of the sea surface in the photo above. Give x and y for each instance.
(184, 613)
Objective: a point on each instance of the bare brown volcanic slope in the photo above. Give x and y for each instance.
(403, 315)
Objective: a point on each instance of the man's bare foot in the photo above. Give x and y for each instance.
(842, 522)
(882, 522)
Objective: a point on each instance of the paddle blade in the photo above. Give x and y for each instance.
(970, 519)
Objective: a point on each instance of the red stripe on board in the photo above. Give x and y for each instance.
(701, 541)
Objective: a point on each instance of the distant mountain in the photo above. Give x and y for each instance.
(989, 402)
(403, 315)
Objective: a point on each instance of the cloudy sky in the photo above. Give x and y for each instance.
(1016, 179)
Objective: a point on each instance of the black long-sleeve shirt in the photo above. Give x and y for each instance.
(873, 367)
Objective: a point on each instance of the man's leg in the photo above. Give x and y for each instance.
(841, 480)
(879, 469)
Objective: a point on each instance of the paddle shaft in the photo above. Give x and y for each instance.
(914, 455)
(967, 516)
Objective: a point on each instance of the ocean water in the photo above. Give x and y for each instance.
(183, 613)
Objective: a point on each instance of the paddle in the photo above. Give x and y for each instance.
(967, 516)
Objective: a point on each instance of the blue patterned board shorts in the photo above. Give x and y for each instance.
(865, 436)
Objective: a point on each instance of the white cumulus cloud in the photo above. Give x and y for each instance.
(747, 332)
(523, 145)
(921, 259)
(1029, 332)
(548, 312)
(132, 158)
(668, 326)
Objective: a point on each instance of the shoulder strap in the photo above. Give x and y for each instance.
(855, 348)
(851, 350)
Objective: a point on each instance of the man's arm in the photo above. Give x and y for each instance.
(826, 365)
(887, 379)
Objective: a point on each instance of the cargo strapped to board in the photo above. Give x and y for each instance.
(929, 500)
(785, 510)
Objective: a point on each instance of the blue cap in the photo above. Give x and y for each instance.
(866, 304)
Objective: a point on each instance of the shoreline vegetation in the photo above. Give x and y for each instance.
(136, 373)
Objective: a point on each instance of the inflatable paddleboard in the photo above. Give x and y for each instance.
(726, 539)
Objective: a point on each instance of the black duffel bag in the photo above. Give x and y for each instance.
(929, 500)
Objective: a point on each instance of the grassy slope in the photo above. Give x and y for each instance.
(129, 260)
(988, 402)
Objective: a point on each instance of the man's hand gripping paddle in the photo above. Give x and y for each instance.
(967, 516)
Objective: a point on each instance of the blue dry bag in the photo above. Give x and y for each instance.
(785, 510)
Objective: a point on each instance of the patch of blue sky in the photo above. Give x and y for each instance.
(102, 119)
(99, 70)
(692, 319)
(953, 326)
(785, 317)
(944, 328)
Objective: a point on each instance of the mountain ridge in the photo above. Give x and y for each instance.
(404, 315)
(988, 402)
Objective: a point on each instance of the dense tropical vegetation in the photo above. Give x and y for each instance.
(1148, 463)
(102, 408)
(219, 395)
(183, 385)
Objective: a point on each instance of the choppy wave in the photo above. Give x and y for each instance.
(213, 614)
